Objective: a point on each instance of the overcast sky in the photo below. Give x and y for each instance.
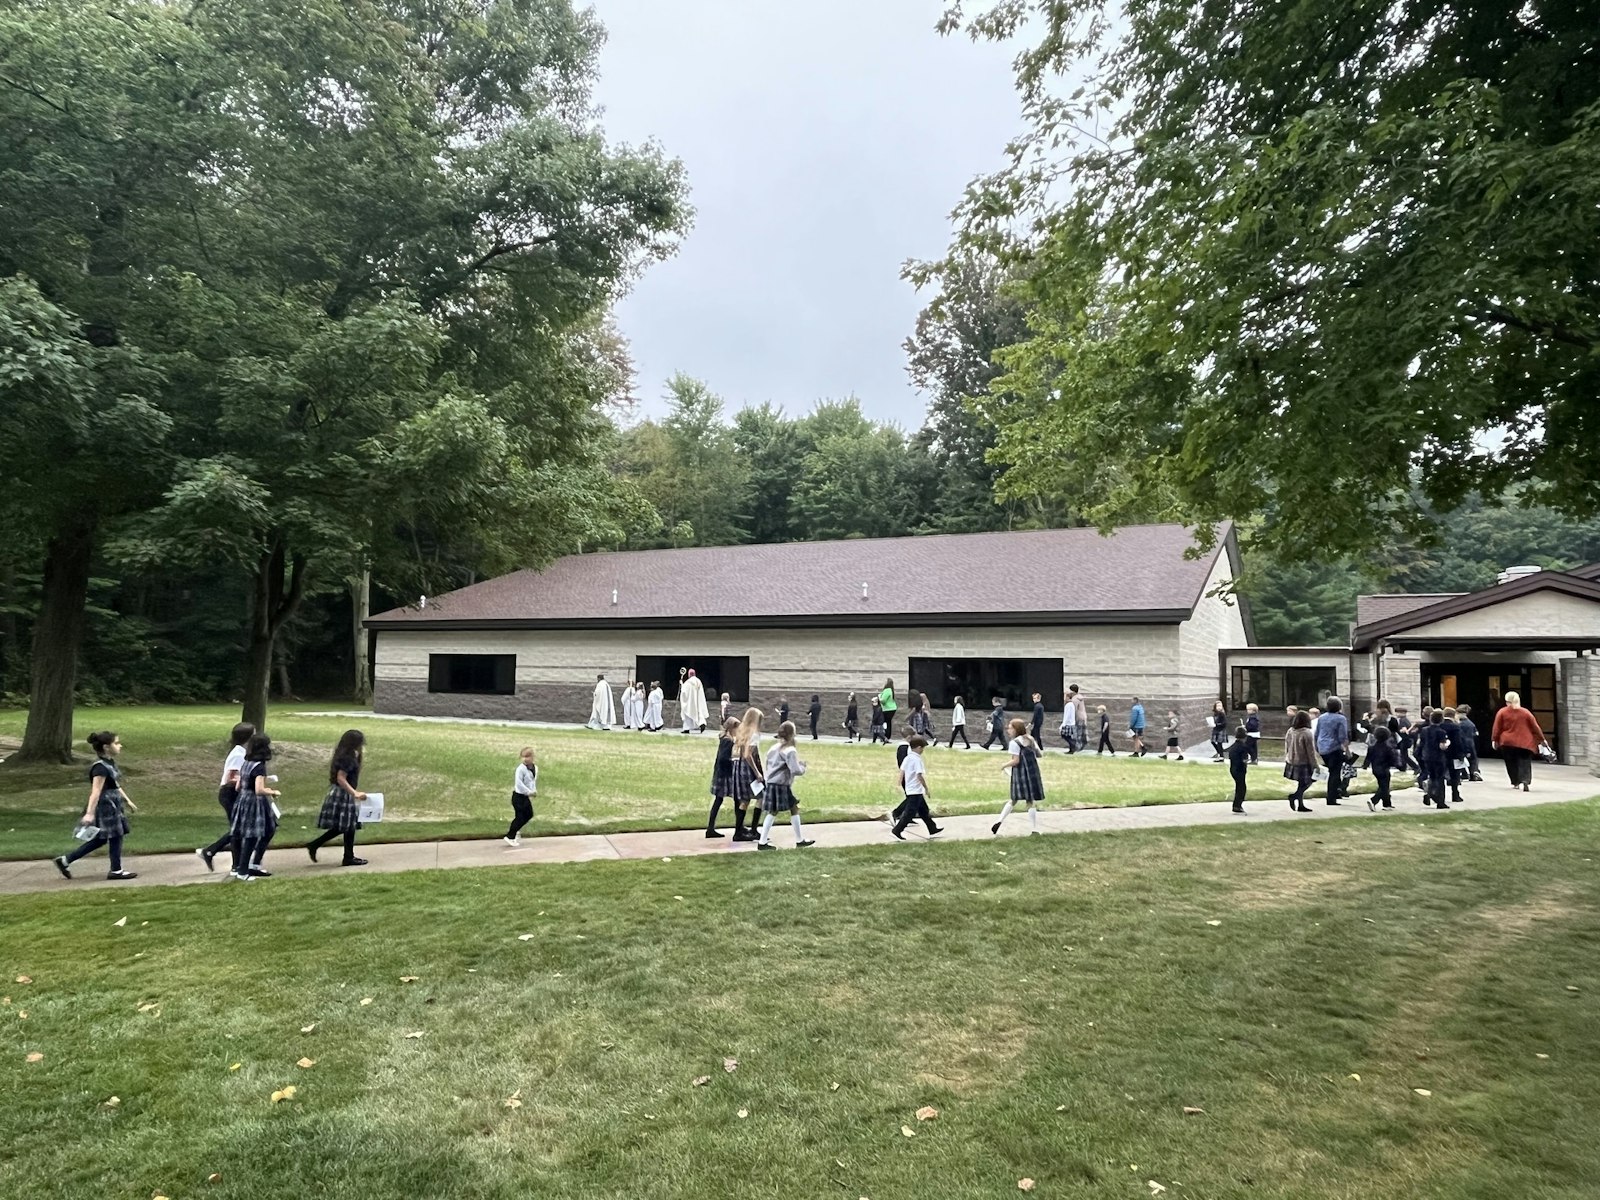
(825, 142)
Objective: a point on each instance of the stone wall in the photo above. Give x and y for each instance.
(556, 670)
(1579, 692)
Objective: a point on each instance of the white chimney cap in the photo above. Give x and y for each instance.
(1512, 573)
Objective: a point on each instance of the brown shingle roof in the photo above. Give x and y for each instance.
(1381, 608)
(1138, 573)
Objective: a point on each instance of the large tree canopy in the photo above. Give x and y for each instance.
(1285, 259)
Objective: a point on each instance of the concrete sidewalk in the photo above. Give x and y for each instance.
(1552, 785)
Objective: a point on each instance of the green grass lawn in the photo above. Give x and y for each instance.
(1060, 1002)
(453, 781)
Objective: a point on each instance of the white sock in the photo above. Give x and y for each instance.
(766, 827)
(799, 834)
(1033, 816)
(1006, 811)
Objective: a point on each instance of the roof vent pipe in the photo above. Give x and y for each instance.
(1513, 573)
(863, 589)
(613, 597)
(422, 602)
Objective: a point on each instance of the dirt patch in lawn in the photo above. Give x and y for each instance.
(967, 1054)
(1279, 887)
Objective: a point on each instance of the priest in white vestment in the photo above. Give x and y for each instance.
(630, 714)
(602, 715)
(692, 704)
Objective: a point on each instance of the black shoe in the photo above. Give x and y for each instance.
(1303, 808)
(63, 866)
(1387, 807)
(937, 829)
(1372, 806)
(765, 846)
(258, 872)
(712, 833)
(1524, 787)
(123, 875)
(804, 844)
(206, 856)
(311, 849)
(1333, 804)
(349, 862)
(1239, 808)
(995, 828)
(895, 833)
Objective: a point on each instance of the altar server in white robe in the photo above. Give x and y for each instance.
(692, 704)
(602, 714)
(652, 712)
(630, 707)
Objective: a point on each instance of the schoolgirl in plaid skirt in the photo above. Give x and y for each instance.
(340, 807)
(722, 775)
(745, 772)
(253, 821)
(783, 766)
(106, 811)
(1027, 786)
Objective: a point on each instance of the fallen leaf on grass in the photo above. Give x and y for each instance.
(120, 921)
(524, 937)
(24, 978)
(743, 1113)
(308, 1028)
(285, 1094)
(1537, 1055)
(415, 1034)
(1571, 988)
(35, 1057)
(833, 1087)
(114, 1102)
(1213, 922)
(608, 1045)
(366, 999)
(1061, 1108)
(907, 1131)
(409, 978)
(1024, 1185)
(235, 1066)
(677, 897)
(214, 1177)
(927, 1112)
(157, 1196)
(514, 1100)
(730, 1065)
(1354, 1076)
(700, 1080)
(1191, 1111)
(1422, 1091)
(306, 1063)
(22, 1014)
(1155, 1188)
(148, 1007)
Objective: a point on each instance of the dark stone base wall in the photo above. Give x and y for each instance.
(570, 703)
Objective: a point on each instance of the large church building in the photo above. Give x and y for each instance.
(1133, 614)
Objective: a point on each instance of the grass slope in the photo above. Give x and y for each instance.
(1059, 1003)
(450, 780)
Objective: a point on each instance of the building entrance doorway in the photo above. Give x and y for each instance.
(1484, 685)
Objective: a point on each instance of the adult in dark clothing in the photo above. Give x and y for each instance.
(997, 724)
(816, 714)
(1404, 738)
(1239, 766)
(1382, 760)
(1433, 743)
(1333, 745)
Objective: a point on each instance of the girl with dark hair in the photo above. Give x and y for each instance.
(722, 780)
(815, 712)
(1219, 732)
(107, 810)
(227, 789)
(852, 720)
(340, 814)
(255, 819)
(886, 702)
(1299, 759)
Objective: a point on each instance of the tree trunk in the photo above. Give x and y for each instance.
(275, 593)
(361, 608)
(57, 635)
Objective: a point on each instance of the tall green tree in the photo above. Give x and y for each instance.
(1288, 257)
(366, 243)
(686, 467)
(770, 445)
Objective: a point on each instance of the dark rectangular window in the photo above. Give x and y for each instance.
(474, 674)
(1279, 687)
(979, 680)
(716, 674)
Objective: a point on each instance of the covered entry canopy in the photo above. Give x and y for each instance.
(1532, 635)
